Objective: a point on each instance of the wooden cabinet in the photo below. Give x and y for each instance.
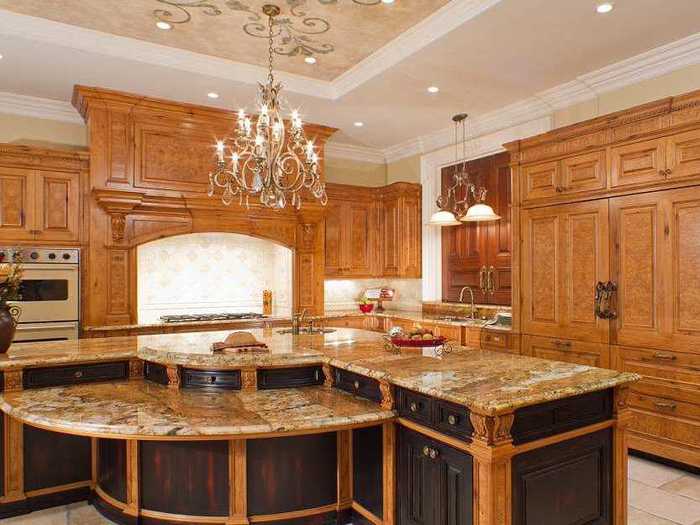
(479, 255)
(683, 155)
(373, 232)
(638, 163)
(363, 322)
(564, 255)
(43, 203)
(578, 352)
(436, 482)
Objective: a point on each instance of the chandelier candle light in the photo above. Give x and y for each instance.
(453, 209)
(267, 160)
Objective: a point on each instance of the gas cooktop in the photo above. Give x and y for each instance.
(188, 318)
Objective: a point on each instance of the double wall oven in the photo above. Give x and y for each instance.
(50, 293)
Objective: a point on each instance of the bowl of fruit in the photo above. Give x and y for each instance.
(419, 338)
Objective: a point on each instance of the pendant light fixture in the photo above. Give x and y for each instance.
(454, 207)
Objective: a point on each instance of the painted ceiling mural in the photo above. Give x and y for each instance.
(338, 33)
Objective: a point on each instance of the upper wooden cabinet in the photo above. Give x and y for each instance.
(40, 194)
(373, 232)
(564, 255)
(638, 163)
(479, 255)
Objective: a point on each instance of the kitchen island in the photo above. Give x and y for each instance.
(323, 428)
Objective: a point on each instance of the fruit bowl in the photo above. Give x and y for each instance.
(418, 343)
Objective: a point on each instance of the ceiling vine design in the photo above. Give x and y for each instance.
(294, 35)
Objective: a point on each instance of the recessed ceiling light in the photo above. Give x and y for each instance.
(0, 56)
(213, 95)
(310, 60)
(433, 89)
(605, 7)
(359, 124)
(163, 25)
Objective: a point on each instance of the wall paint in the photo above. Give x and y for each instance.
(344, 294)
(346, 171)
(41, 132)
(212, 273)
(404, 170)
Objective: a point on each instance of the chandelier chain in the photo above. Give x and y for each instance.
(270, 48)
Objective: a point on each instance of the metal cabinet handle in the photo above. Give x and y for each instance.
(669, 171)
(664, 356)
(665, 406)
(452, 420)
(559, 189)
(426, 451)
(662, 173)
(78, 374)
(356, 384)
(413, 407)
(211, 379)
(433, 453)
(605, 293)
(566, 344)
(482, 279)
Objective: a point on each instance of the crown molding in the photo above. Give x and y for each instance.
(431, 28)
(43, 108)
(650, 64)
(353, 152)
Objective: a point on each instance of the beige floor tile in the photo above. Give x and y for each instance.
(673, 507)
(650, 473)
(55, 516)
(688, 486)
(639, 517)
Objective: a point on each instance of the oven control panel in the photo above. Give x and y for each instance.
(40, 255)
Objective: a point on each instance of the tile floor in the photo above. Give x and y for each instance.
(658, 495)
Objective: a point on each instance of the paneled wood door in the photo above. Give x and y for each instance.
(334, 256)
(656, 264)
(16, 204)
(57, 206)
(350, 239)
(499, 237)
(683, 155)
(565, 254)
(391, 244)
(638, 163)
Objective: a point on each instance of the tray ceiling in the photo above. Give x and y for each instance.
(339, 33)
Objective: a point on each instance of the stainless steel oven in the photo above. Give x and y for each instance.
(50, 293)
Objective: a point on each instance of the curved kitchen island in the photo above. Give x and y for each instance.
(322, 428)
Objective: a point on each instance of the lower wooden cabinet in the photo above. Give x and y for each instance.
(578, 352)
(363, 322)
(436, 482)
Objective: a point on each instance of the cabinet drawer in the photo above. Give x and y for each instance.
(661, 364)
(491, 339)
(72, 375)
(663, 405)
(405, 324)
(577, 352)
(452, 333)
(270, 378)
(638, 163)
(584, 173)
(155, 372)
(452, 419)
(357, 384)
(415, 406)
(361, 322)
(685, 432)
(218, 379)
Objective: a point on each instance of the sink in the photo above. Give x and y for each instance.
(307, 331)
(465, 320)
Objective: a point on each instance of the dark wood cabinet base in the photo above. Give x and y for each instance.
(45, 501)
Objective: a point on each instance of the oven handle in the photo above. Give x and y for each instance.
(45, 326)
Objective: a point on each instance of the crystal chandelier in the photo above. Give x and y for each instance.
(266, 158)
(454, 208)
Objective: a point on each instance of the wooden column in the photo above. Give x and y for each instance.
(345, 473)
(492, 453)
(389, 496)
(14, 460)
(238, 497)
(623, 416)
(132, 478)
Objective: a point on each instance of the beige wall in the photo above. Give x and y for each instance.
(31, 130)
(404, 170)
(675, 83)
(345, 171)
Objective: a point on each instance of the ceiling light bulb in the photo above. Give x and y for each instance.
(359, 124)
(310, 60)
(433, 89)
(603, 8)
(0, 56)
(213, 95)
(163, 25)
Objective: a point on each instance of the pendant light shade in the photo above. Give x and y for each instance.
(480, 212)
(443, 218)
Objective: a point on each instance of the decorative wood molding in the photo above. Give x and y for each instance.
(492, 430)
(173, 376)
(135, 368)
(13, 443)
(238, 503)
(388, 399)
(45, 158)
(389, 472)
(249, 379)
(345, 473)
(118, 221)
(132, 478)
(327, 375)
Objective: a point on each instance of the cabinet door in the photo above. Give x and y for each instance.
(657, 268)
(499, 243)
(16, 204)
(683, 155)
(565, 253)
(334, 240)
(359, 245)
(58, 206)
(455, 497)
(417, 489)
(391, 246)
(638, 163)
(586, 172)
(540, 181)
(410, 237)
(580, 353)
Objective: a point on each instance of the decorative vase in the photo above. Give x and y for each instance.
(9, 315)
(366, 308)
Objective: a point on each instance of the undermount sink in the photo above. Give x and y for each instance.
(307, 331)
(458, 319)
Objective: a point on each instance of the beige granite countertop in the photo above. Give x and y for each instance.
(142, 409)
(486, 382)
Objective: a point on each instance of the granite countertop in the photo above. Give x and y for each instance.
(486, 382)
(139, 408)
(407, 315)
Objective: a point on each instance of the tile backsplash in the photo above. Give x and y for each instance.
(210, 273)
(344, 294)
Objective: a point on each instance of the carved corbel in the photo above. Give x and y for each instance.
(308, 236)
(173, 377)
(328, 376)
(135, 368)
(13, 381)
(492, 430)
(249, 379)
(118, 221)
(388, 399)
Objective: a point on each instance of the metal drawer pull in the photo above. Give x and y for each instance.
(452, 420)
(426, 451)
(665, 406)
(664, 356)
(433, 453)
(413, 407)
(356, 384)
(567, 344)
(211, 379)
(78, 374)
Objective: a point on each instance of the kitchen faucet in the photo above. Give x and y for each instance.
(461, 299)
(297, 319)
